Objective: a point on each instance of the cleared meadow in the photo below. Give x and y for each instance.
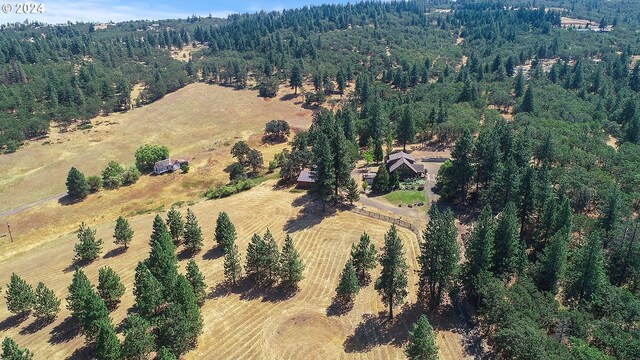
(246, 322)
(199, 122)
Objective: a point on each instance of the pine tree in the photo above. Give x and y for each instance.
(147, 291)
(77, 186)
(19, 296)
(527, 198)
(110, 288)
(291, 266)
(528, 103)
(381, 181)
(175, 224)
(353, 193)
(225, 233)
(624, 259)
(552, 262)
(394, 181)
(509, 257)
(181, 323)
(11, 351)
(348, 286)
(586, 275)
(94, 310)
(422, 342)
(505, 185)
(324, 175)
(192, 233)
(458, 177)
(341, 81)
(392, 283)
(439, 256)
(159, 228)
(342, 153)
(271, 257)
(196, 279)
(363, 257)
(138, 342)
(296, 78)
(255, 261)
(232, 265)
(123, 234)
(163, 263)
(610, 215)
(378, 153)
(88, 248)
(480, 251)
(79, 289)
(107, 343)
(406, 129)
(47, 305)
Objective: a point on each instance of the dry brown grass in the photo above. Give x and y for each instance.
(199, 122)
(184, 54)
(248, 323)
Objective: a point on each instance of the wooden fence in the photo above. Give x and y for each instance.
(399, 222)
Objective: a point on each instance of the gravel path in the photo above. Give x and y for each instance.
(39, 202)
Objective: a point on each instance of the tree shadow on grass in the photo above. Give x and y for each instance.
(213, 253)
(312, 213)
(377, 330)
(13, 321)
(185, 254)
(85, 352)
(67, 200)
(288, 97)
(115, 252)
(76, 264)
(65, 331)
(339, 307)
(248, 290)
(35, 326)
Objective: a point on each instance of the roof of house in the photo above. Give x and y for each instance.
(306, 176)
(403, 155)
(165, 162)
(416, 168)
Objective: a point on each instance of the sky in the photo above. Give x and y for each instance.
(61, 11)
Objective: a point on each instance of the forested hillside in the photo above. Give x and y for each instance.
(543, 119)
(74, 72)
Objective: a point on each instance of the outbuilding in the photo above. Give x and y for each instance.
(168, 165)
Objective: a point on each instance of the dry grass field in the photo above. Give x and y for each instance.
(199, 122)
(246, 323)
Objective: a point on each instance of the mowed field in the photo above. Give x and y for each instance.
(199, 122)
(247, 322)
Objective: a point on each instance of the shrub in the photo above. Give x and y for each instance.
(268, 88)
(147, 155)
(130, 176)
(112, 175)
(95, 183)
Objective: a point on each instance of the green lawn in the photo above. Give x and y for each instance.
(405, 197)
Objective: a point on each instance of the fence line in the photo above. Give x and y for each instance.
(401, 223)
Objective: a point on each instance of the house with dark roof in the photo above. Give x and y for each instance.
(305, 179)
(405, 165)
(168, 165)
